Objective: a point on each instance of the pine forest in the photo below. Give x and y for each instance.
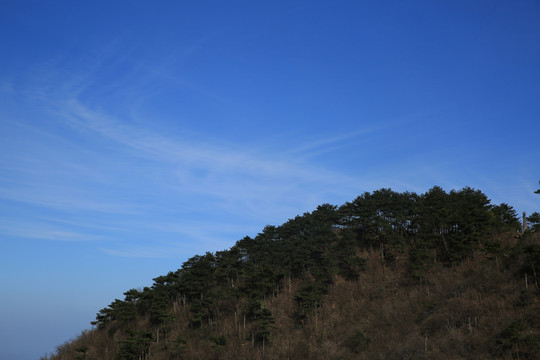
(441, 275)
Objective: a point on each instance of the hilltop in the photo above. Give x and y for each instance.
(386, 276)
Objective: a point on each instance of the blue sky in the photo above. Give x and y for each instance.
(134, 135)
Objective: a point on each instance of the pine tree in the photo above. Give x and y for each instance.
(263, 322)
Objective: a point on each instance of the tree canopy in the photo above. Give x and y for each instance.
(313, 250)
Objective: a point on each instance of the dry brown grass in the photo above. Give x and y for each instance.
(456, 312)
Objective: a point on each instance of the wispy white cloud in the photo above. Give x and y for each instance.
(59, 197)
(309, 148)
(219, 170)
(153, 251)
(33, 230)
(91, 158)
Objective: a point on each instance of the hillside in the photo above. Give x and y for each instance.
(387, 276)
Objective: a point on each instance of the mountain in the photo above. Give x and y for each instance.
(386, 276)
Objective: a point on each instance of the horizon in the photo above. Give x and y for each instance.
(135, 136)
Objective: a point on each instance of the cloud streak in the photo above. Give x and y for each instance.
(139, 182)
(221, 171)
(34, 230)
(98, 168)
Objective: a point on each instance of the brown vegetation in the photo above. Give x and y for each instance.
(387, 276)
(482, 308)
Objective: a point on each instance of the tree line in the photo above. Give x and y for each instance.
(314, 248)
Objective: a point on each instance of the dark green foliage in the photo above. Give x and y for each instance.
(534, 221)
(177, 346)
(136, 346)
(159, 309)
(229, 266)
(420, 260)
(311, 255)
(434, 217)
(103, 318)
(202, 310)
(308, 298)
(81, 352)
(492, 246)
(454, 224)
(516, 338)
(311, 251)
(469, 222)
(197, 276)
(260, 281)
(525, 298)
(357, 342)
(263, 322)
(308, 240)
(219, 340)
(351, 266)
(532, 260)
(219, 343)
(316, 246)
(504, 217)
(123, 311)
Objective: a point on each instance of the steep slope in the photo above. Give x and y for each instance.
(387, 276)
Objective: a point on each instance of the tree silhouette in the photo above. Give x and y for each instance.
(263, 322)
(534, 221)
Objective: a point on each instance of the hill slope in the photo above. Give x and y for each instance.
(386, 276)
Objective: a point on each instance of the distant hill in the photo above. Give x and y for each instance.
(387, 276)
